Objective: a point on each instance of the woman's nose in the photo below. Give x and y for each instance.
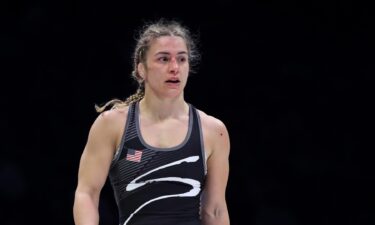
(173, 65)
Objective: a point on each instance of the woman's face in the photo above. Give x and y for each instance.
(167, 66)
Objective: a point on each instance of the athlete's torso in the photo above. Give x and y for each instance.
(158, 185)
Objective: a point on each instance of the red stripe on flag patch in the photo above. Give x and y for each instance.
(134, 155)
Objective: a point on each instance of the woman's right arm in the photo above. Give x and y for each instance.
(93, 169)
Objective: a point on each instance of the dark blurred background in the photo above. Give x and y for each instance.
(292, 80)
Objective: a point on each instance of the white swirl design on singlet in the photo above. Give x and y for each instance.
(194, 191)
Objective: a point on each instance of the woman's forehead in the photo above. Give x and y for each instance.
(168, 43)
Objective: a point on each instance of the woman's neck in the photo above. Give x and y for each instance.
(160, 109)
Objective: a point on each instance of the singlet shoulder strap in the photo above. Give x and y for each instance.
(129, 132)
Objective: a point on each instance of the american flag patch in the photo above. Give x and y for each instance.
(134, 155)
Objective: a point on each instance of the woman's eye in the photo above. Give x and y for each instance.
(163, 59)
(182, 59)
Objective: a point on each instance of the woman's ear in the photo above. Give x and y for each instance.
(141, 70)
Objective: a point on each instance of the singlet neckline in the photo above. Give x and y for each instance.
(138, 128)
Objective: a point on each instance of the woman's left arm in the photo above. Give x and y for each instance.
(214, 209)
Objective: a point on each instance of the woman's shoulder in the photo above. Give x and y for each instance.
(210, 122)
(215, 133)
(113, 118)
(115, 115)
(110, 124)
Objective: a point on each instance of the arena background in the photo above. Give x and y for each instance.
(292, 80)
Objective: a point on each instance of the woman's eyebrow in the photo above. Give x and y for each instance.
(167, 53)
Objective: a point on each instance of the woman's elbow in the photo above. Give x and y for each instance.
(216, 215)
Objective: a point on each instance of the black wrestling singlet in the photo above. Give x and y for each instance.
(158, 186)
